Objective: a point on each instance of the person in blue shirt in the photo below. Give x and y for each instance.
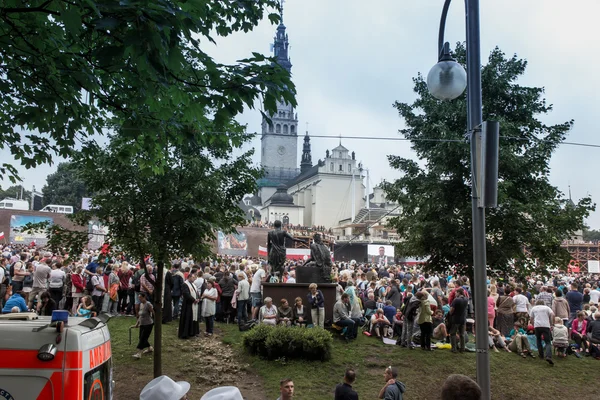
(575, 299)
(389, 310)
(16, 300)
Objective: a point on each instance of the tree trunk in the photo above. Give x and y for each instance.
(158, 300)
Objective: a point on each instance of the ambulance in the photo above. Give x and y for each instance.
(54, 360)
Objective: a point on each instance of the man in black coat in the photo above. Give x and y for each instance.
(189, 325)
(344, 391)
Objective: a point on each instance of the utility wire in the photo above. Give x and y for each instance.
(396, 139)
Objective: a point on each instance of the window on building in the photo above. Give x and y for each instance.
(349, 167)
(292, 129)
(278, 128)
(285, 129)
(341, 168)
(331, 167)
(271, 128)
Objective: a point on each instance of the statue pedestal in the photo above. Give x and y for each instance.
(290, 291)
(308, 275)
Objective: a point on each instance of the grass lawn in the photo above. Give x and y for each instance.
(220, 360)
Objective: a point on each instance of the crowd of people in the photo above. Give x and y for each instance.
(401, 304)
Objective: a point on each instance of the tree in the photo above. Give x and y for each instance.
(591, 235)
(69, 70)
(533, 217)
(14, 192)
(165, 215)
(65, 186)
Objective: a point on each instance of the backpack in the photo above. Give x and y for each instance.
(135, 280)
(247, 326)
(89, 286)
(411, 310)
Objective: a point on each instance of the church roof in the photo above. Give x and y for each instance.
(340, 148)
(281, 197)
(309, 173)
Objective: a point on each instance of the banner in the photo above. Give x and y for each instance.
(593, 266)
(98, 233)
(297, 254)
(17, 234)
(574, 266)
(262, 251)
(232, 244)
(86, 203)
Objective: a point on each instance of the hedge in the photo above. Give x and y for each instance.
(274, 342)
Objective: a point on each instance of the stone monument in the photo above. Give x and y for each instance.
(317, 268)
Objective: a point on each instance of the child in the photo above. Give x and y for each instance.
(561, 337)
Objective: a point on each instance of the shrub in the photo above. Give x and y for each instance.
(289, 342)
(255, 340)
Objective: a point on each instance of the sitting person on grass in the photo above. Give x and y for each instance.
(268, 313)
(440, 332)
(519, 341)
(496, 339)
(560, 336)
(397, 323)
(380, 324)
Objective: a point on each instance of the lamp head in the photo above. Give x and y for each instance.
(447, 79)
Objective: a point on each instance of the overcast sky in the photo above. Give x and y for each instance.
(352, 59)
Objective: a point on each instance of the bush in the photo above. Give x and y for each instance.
(290, 342)
(255, 340)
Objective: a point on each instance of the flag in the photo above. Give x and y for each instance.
(1, 235)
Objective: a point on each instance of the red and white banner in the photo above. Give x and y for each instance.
(297, 254)
(290, 254)
(262, 251)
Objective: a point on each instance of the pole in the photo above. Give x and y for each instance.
(474, 117)
(368, 202)
(353, 196)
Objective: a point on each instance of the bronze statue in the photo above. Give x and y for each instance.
(276, 248)
(320, 257)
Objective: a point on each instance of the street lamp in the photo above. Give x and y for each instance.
(446, 81)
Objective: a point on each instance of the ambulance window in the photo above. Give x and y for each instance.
(98, 382)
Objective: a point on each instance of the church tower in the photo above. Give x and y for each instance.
(306, 162)
(279, 140)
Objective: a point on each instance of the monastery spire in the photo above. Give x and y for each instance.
(281, 44)
(306, 162)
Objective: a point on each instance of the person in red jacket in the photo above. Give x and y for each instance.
(77, 288)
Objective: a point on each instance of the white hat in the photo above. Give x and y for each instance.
(223, 393)
(164, 388)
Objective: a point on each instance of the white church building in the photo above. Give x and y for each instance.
(324, 194)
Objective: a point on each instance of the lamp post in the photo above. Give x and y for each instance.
(446, 81)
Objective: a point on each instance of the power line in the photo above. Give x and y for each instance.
(388, 138)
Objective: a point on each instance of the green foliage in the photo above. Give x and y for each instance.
(591, 235)
(69, 70)
(14, 192)
(289, 342)
(533, 217)
(65, 186)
